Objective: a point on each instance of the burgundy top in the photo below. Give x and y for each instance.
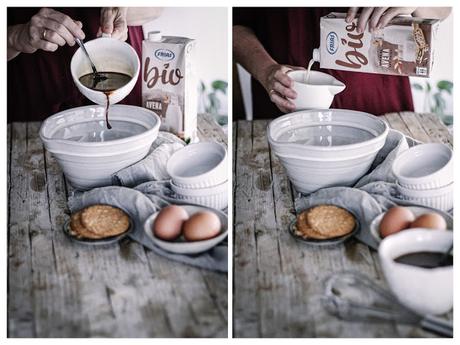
(40, 84)
(290, 34)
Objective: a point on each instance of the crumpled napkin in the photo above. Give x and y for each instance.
(153, 166)
(149, 193)
(373, 194)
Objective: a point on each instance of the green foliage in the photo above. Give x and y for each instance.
(434, 99)
(210, 99)
(445, 85)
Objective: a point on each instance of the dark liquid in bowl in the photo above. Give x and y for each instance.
(109, 82)
(425, 259)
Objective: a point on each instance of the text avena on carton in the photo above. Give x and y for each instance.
(169, 85)
(403, 47)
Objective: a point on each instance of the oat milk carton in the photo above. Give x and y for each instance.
(403, 47)
(169, 85)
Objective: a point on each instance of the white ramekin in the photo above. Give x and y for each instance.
(424, 166)
(200, 165)
(426, 291)
(440, 198)
(215, 197)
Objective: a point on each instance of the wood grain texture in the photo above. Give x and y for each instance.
(57, 288)
(278, 281)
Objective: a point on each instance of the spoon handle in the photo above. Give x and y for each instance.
(80, 43)
(437, 325)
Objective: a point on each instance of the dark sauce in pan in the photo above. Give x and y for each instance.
(425, 259)
(109, 82)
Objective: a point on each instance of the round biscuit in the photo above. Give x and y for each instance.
(303, 228)
(331, 221)
(78, 230)
(105, 220)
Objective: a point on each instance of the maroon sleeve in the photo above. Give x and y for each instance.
(135, 38)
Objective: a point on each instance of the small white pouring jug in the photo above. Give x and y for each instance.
(318, 93)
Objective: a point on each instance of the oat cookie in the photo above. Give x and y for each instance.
(104, 220)
(330, 220)
(304, 230)
(78, 230)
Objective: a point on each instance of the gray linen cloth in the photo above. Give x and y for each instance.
(147, 197)
(373, 194)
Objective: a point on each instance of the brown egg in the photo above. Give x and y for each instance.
(429, 221)
(202, 226)
(168, 224)
(395, 219)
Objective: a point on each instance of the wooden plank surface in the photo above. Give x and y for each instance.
(59, 289)
(277, 280)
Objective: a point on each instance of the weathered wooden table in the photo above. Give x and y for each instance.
(277, 280)
(57, 288)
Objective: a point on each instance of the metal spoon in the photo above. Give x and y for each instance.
(96, 75)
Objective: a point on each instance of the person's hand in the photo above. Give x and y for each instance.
(279, 86)
(46, 30)
(113, 22)
(376, 17)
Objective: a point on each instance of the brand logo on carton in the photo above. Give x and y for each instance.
(332, 43)
(164, 54)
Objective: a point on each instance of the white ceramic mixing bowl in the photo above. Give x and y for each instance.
(88, 152)
(426, 291)
(323, 148)
(318, 93)
(108, 55)
(424, 166)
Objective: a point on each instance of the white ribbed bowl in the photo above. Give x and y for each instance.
(200, 165)
(88, 152)
(439, 198)
(215, 197)
(324, 148)
(424, 166)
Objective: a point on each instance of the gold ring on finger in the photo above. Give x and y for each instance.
(44, 35)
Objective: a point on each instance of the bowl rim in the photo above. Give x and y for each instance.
(372, 141)
(192, 179)
(133, 77)
(403, 159)
(136, 137)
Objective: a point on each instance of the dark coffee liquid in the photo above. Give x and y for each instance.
(109, 82)
(425, 259)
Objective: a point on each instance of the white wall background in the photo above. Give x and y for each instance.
(442, 70)
(208, 25)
